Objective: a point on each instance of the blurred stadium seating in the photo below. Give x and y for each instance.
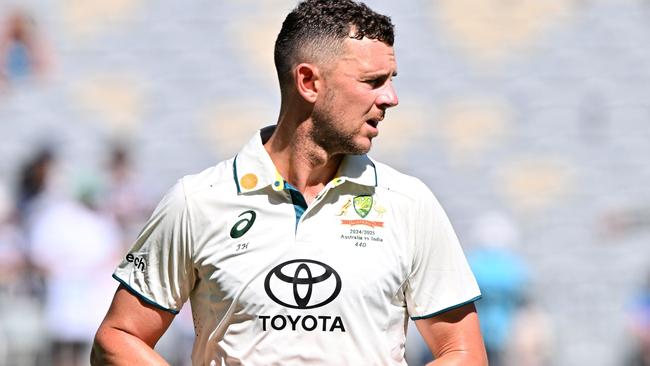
(537, 109)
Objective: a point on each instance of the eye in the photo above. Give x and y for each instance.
(376, 83)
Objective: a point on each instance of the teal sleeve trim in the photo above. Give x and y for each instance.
(139, 295)
(446, 310)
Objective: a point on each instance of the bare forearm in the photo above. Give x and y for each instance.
(117, 347)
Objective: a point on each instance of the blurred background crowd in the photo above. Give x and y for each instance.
(530, 120)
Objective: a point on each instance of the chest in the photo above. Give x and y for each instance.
(342, 250)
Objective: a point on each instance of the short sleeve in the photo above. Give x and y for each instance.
(440, 278)
(158, 268)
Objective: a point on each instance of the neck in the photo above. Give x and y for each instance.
(300, 161)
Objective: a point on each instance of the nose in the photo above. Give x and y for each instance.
(387, 97)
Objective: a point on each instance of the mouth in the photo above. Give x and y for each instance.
(374, 122)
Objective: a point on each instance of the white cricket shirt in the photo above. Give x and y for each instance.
(274, 282)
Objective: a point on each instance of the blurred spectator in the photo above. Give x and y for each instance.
(531, 338)
(71, 245)
(639, 326)
(21, 328)
(125, 198)
(23, 52)
(33, 182)
(34, 191)
(76, 245)
(502, 277)
(620, 221)
(11, 245)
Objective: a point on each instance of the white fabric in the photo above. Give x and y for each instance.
(399, 258)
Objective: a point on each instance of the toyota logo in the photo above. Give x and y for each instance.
(302, 284)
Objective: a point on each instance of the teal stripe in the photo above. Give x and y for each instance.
(139, 295)
(446, 310)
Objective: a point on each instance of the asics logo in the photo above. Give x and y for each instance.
(242, 226)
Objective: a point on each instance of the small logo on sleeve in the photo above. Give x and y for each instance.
(138, 262)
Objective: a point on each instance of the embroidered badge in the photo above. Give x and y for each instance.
(365, 227)
(362, 205)
(345, 207)
(248, 181)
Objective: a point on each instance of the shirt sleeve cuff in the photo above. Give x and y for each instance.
(142, 297)
(446, 309)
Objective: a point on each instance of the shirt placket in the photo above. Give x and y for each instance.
(301, 208)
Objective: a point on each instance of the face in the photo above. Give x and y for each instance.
(357, 89)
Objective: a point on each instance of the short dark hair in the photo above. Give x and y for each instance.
(317, 28)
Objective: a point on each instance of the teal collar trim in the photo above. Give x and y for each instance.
(253, 168)
(234, 174)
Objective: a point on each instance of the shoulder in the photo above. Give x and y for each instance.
(391, 179)
(194, 187)
(213, 177)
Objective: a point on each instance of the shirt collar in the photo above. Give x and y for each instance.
(254, 169)
(358, 169)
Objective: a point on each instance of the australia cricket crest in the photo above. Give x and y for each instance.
(368, 211)
(364, 226)
(362, 205)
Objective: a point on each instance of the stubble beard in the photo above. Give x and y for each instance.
(332, 139)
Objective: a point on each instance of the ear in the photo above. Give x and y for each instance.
(308, 81)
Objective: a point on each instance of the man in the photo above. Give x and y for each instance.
(301, 249)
